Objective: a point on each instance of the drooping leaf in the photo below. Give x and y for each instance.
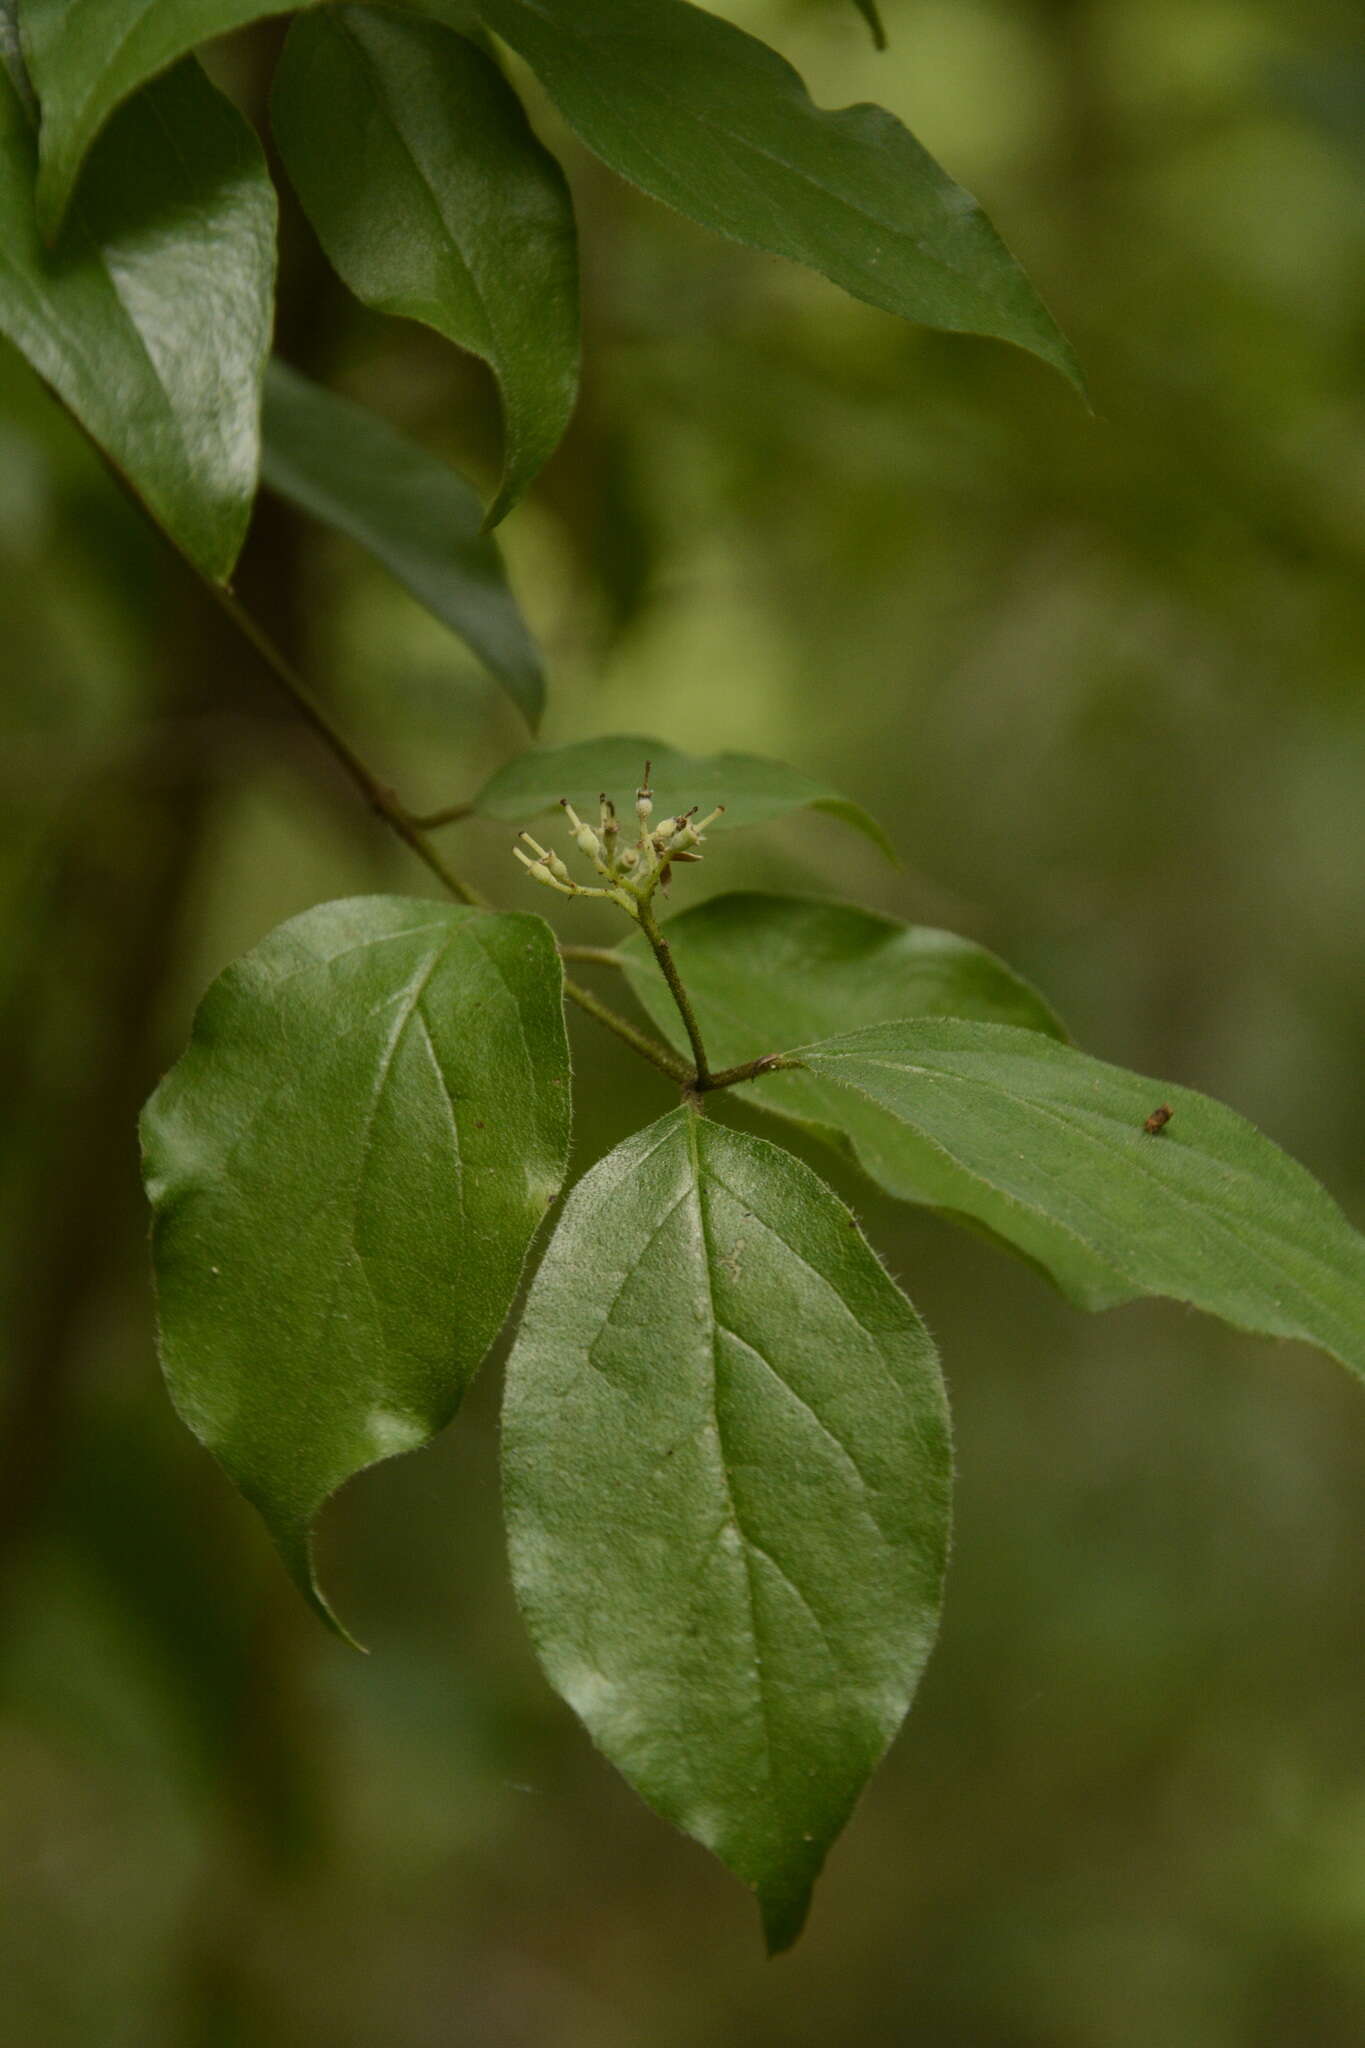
(872, 16)
(716, 124)
(1050, 1150)
(346, 1168)
(754, 791)
(433, 198)
(766, 973)
(347, 467)
(87, 56)
(727, 1472)
(151, 320)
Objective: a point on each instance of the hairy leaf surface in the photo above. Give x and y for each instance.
(87, 56)
(1050, 1151)
(754, 791)
(349, 468)
(719, 126)
(433, 198)
(346, 1168)
(151, 320)
(766, 973)
(727, 1470)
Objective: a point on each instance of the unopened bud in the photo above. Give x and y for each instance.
(550, 860)
(644, 798)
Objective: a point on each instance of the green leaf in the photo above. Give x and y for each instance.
(753, 791)
(727, 1472)
(350, 469)
(346, 1168)
(1049, 1151)
(152, 320)
(434, 199)
(714, 123)
(87, 56)
(766, 973)
(872, 16)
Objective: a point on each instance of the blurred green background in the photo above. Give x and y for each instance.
(1102, 679)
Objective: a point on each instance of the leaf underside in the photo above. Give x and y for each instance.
(349, 468)
(727, 1472)
(753, 791)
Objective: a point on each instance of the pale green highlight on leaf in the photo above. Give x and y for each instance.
(727, 1472)
(346, 1169)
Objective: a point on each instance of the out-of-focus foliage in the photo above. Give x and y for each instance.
(1105, 682)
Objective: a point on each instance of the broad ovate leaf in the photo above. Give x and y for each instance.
(87, 56)
(753, 791)
(727, 1473)
(344, 465)
(716, 124)
(346, 1169)
(1051, 1152)
(766, 973)
(433, 198)
(151, 319)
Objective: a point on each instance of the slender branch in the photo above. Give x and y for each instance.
(412, 832)
(376, 793)
(431, 821)
(594, 956)
(663, 953)
(648, 1048)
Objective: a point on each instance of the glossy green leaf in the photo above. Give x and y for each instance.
(719, 126)
(727, 1472)
(346, 1168)
(349, 468)
(1049, 1151)
(753, 791)
(151, 321)
(433, 198)
(766, 973)
(87, 56)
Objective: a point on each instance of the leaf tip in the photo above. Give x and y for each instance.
(783, 1908)
(294, 1542)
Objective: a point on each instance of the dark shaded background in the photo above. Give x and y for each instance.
(1103, 681)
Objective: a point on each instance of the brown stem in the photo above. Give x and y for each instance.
(383, 800)
(593, 956)
(648, 1048)
(701, 1080)
(432, 821)
(376, 793)
(752, 1070)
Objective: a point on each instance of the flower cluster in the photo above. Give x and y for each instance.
(630, 872)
